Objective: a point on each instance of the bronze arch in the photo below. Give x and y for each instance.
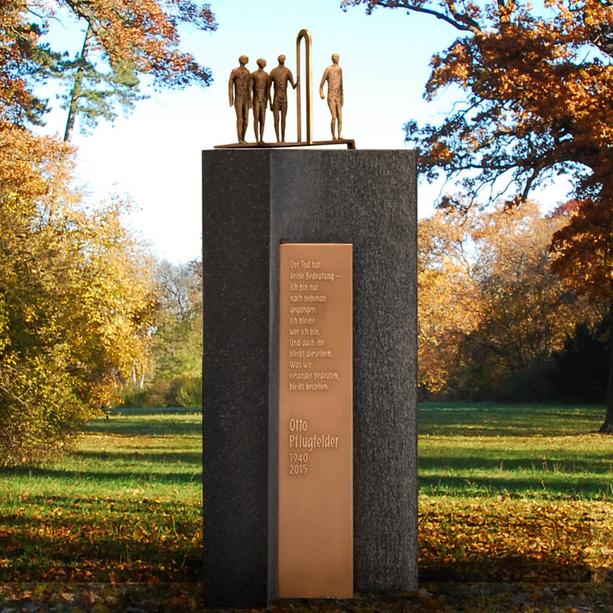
(309, 89)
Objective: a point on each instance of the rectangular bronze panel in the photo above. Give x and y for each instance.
(315, 421)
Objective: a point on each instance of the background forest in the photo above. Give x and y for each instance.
(514, 304)
(495, 322)
(101, 490)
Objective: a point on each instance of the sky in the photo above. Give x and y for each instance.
(153, 156)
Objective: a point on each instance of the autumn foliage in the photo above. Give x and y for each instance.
(76, 301)
(538, 91)
(175, 376)
(537, 86)
(124, 41)
(509, 519)
(493, 314)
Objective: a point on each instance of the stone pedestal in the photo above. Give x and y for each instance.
(254, 200)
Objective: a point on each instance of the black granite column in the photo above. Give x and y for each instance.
(253, 201)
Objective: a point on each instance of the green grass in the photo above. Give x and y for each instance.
(505, 492)
(536, 452)
(507, 420)
(151, 456)
(126, 505)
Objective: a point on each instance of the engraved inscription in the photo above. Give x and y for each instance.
(302, 444)
(315, 421)
(309, 282)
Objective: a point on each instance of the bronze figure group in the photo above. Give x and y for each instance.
(253, 90)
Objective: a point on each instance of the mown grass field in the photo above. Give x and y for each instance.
(515, 493)
(125, 506)
(509, 495)
(542, 452)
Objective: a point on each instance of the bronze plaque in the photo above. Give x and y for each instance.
(315, 422)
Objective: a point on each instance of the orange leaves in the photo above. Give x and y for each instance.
(442, 152)
(124, 38)
(17, 41)
(538, 91)
(489, 304)
(583, 248)
(100, 598)
(144, 34)
(144, 542)
(447, 308)
(76, 291)
(22, 158)
(513, 540)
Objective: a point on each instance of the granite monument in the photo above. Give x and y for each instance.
(310, 328)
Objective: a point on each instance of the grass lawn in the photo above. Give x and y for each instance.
(540, 452)
(515, 493)
(507, 494)
(125, 506)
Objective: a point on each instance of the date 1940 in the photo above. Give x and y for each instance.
(298, 463)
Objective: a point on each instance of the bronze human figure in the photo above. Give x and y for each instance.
(240, 96)
(280, 77)
(334, 76)
(260, 89)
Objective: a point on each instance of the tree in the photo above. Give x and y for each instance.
(77, 303)
(538, 87)
(177, 348)
(491, 311)
(528, 310)
(583, 251)
(448, 298)
(175, 375)
(579, 369)
(123, 40)
(94, 94)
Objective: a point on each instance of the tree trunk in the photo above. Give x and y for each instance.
(73, 106)
(607, 427)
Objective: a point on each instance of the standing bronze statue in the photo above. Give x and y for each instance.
(280, 77)
(240, 96)
(260, 89)
(255, 90)
(334, 76)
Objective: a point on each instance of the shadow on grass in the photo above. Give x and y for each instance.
(509, 569)
(157, 411)
(472, 458)
(100, 503)
(112, 517)
(165, 457)
(77, 554)
(96, 476)
(495, 485)
(144, 427)
(118, 549)
(508, 420)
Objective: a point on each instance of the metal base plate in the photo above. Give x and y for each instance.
(350, 143)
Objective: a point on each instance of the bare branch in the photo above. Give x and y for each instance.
(458, 25)
(13, 396)
(536, 171)
(460, 21)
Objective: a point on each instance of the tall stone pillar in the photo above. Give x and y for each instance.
(255, 200)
